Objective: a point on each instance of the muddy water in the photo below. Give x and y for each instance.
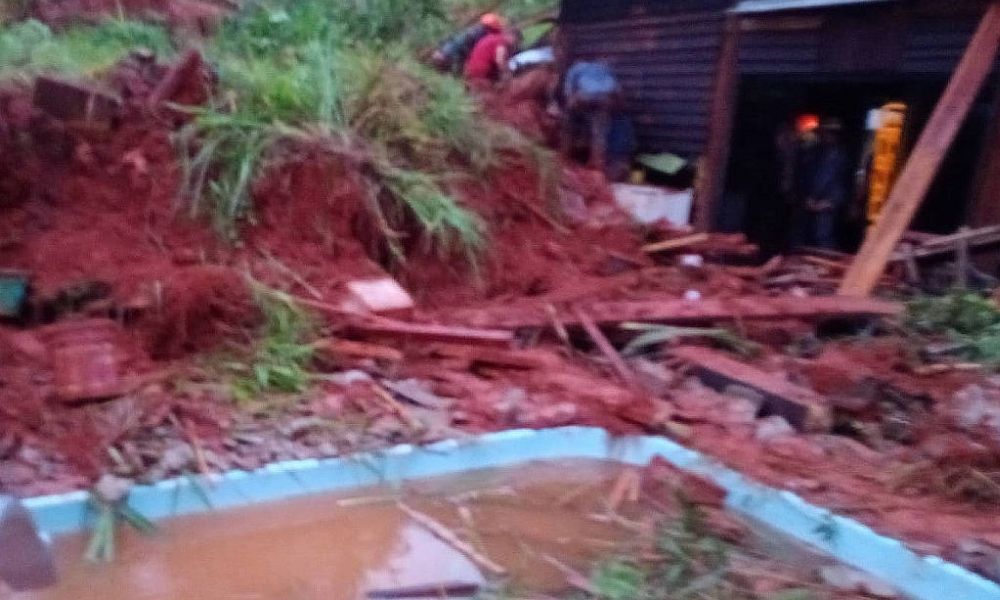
(330, 547)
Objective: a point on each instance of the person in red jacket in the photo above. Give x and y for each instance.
(487, 63)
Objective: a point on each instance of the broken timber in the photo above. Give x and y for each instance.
(685, 312)
(920, 169)
(604, 346)
(401, 331)
(803, 408)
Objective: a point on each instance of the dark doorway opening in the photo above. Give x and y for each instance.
(752, 202)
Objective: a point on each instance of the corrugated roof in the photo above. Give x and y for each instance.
(766, 6)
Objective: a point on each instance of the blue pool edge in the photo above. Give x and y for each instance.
(845, 540)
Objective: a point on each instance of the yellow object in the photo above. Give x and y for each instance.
(885, 157)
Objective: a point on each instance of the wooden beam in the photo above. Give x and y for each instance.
(400, 331)
(920, 169)
(712, 171)
(685, 312)
(803, 408)
(602, 343)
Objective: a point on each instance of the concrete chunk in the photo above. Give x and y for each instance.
(382, 296)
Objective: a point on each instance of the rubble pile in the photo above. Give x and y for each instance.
(541, 333)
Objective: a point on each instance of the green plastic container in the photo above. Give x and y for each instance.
(13, 292)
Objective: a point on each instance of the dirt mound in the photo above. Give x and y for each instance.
(199, 306)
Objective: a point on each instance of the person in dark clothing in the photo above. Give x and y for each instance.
(821, 182)
(591, 94)
(450, 57)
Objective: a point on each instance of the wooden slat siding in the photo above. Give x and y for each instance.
(919, 171)
(664, 53)
(779, 52)
(934, 46)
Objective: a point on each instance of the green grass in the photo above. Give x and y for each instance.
(292, 79)
(28, 48)
(282, 353)
(341, 76)
(963, 317)
(689, 563)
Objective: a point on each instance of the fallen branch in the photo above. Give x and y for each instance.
(602, 343)
(677, 243)
(448, 536)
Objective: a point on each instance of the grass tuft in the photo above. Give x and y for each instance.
(29, 47)
(283, 351)
(966, 318)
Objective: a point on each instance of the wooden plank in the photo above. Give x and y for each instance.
(602, 343)
(676, 243)
(348, 348)
(920, 169)
(722, 115)
(685, 312)
(803, 408)
(418, 332)
(531, 359)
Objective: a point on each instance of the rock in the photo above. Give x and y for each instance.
(981, 558)
(509, 406)
(974, 407)
(14, 473)
(794, 448)
(850, 580)
(549, 415)
(302, 425)
(660, 474)
(653, 377)
(177, 457)
(348, 378)
(112, 489)
(773, 427)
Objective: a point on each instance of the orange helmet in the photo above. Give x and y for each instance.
(491, 21)
(807, 123)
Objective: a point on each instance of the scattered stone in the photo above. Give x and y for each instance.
(552, 415)
(660, 476)
(850, 580)
(973, 407)
(302, 425)
(15, 473)
(417, 392)
(509, 406)
(773, 427)
(654, 377)
(112, 489)
(348, 378)
(981, 558)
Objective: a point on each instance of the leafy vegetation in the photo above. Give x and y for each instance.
(30, 47)
(342, 77)
(282, 353)
(966, 318)
(111, 513)
(655, 335)
(688, 563)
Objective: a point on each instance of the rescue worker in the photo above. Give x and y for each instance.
(822, 187)
(489, 60)
(452, 54)
(591, 95)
